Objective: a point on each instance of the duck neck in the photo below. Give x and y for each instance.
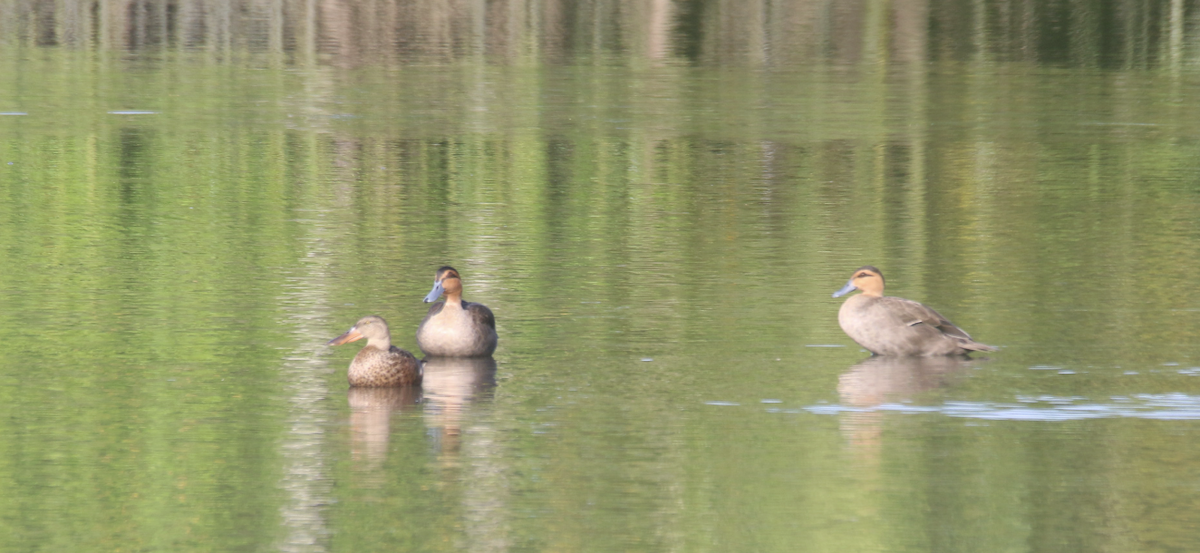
(384, 343)
(872, 288)
(452, 288)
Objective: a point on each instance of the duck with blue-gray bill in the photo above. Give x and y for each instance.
(885, 325)
(454, 327)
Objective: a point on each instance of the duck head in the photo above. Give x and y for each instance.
(373, 328)
(865, 278)
(446, 282)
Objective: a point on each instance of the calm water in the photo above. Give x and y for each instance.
(656, 198)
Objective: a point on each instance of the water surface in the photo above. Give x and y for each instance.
(656, 199)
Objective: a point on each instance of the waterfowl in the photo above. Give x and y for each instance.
(379, 364)
(887, 325)
(455, 328)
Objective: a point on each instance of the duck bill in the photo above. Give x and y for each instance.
(849, 287)
(435, 293)
(350, 336)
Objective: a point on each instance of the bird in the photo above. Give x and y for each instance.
(379, 364)
(455, 328)
(886, 325)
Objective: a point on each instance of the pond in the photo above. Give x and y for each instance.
(657, 200)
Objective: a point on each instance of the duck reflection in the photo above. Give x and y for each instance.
(884, 379)
(458, 392)
(371, 412)
(452, 385)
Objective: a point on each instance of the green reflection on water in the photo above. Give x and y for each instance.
(169, 279)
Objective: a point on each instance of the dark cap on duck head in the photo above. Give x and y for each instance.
(871, 268)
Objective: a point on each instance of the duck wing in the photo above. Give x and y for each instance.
(481, 314)
(914, 313)
(404, 367)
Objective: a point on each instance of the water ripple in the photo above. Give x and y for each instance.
(1174, 406)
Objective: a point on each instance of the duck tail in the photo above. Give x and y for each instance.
(976, 346)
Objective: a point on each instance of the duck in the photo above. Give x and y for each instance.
(885, 325)
(455, 328)
(379, 364)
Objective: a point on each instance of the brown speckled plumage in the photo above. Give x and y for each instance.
(379, 364)
(455, 328)
(887, 325)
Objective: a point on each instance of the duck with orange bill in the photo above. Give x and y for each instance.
(379, 364)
